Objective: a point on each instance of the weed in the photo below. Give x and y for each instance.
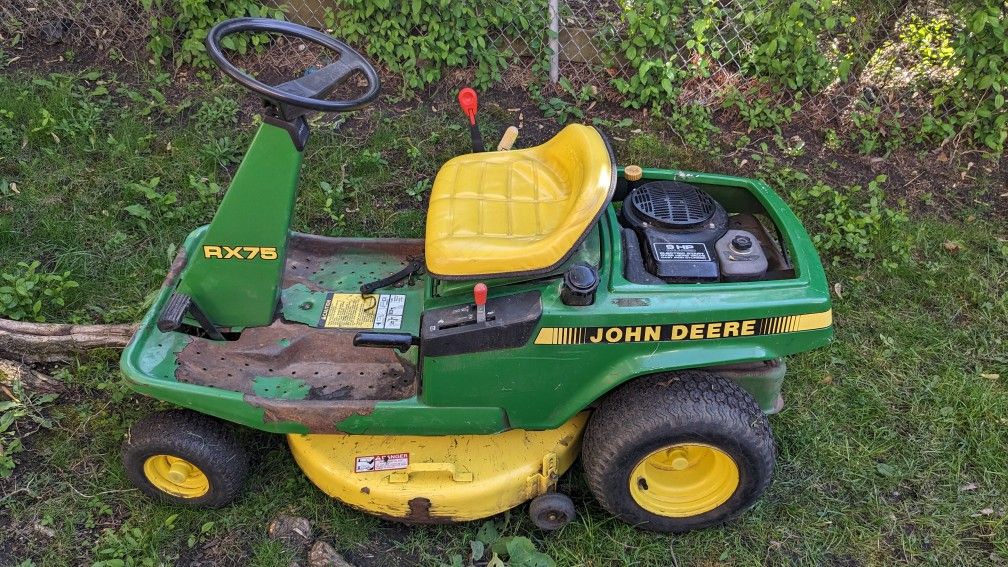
(146, 102)
(33, 295)
(368, 162)
(206, 190)
(216, 114)
(500, 551)
(23, 406)
(334, 198)
(873, 132)
(418, 189)
(127, 547)
(761, 112)
(792, 147)
(831, 140)
(155, 202)
(223, 151)
(559, 108)
(693, 125)
(850, 223)
(454, 35)
(8, 135)
(204, 533)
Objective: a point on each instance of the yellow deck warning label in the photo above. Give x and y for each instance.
(356, 311)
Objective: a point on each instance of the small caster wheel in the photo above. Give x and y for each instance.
(552, 511)
(184, 457)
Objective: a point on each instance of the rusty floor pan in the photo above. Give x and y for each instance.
(289, 361)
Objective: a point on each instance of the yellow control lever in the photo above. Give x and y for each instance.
(508, 139)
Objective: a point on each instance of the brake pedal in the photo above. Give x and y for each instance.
(180, 304)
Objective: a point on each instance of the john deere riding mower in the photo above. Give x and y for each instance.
(560, 306)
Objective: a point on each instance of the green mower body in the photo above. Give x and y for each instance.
(248, 272)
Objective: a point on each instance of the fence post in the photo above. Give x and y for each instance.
(554, 40)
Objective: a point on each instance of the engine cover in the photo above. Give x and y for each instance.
(678, 226)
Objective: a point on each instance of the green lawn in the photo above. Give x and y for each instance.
(892, 444)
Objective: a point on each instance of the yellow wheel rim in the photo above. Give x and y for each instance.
(176, 476)
(684, 480)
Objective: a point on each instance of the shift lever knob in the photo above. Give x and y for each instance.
(480, 297)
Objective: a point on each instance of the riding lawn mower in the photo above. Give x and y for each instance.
(561, 305)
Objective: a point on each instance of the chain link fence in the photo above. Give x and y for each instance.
(763, 62)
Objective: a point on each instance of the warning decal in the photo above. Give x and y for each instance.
(356, 311)
(394, 462)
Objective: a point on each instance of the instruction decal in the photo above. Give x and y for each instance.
(356, 311)
(371, 463)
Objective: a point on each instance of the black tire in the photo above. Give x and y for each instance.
(552, 511)
(655, 412)
(205, 442)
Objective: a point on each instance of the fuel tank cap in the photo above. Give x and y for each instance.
(580, 283)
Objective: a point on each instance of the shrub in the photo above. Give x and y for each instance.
(27, 294)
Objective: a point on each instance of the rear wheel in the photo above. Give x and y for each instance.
(674, 453)
(186, 458)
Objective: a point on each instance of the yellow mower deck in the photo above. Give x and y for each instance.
(438, 479)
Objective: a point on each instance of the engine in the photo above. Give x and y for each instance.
(681, 234)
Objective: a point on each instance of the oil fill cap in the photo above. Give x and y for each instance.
(580, 283)
(632, 172)
(741, 243)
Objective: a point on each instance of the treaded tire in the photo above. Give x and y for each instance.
(652, 412)
(204, 441)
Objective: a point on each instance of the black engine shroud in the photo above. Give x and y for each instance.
(677, 225)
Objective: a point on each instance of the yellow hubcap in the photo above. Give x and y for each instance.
(176, 476)
(684, 480)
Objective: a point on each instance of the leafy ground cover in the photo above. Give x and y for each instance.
(892, 444)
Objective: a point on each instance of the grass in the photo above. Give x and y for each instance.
(892, 445)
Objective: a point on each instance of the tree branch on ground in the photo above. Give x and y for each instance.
(33, 380)
(53, 342)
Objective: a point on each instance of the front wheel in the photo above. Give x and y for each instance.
(185, 458)
(678, 452)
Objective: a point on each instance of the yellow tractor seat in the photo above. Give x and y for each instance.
(518, 212)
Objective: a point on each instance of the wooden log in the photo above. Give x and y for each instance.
(51, 342)
(12, 372)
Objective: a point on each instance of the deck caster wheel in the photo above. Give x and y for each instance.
(551, 511)
(184, 457)
(678, 452)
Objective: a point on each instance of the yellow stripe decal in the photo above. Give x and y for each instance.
(684, 331)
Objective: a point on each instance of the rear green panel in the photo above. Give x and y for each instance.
(540, 386)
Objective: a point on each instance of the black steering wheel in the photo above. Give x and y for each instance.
(303, 92)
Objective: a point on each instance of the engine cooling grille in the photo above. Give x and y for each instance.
(672, 205)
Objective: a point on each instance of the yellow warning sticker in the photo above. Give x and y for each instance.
(349, 311)
(356, 311)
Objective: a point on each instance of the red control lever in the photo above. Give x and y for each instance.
(468, 101)
(480, 296)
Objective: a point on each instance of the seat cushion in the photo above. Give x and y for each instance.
(517, 212)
